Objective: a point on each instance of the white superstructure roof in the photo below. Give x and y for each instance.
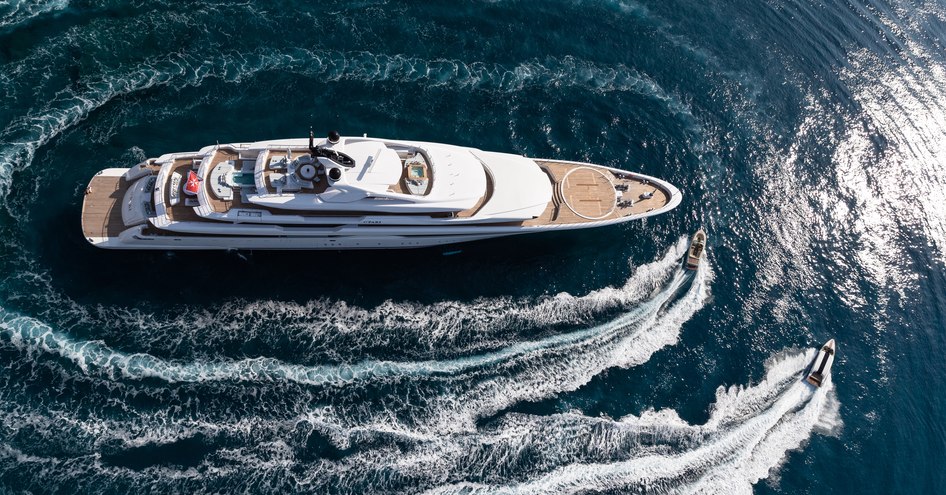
(457, 178)
(521, 190)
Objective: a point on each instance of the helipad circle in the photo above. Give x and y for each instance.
(589, 193)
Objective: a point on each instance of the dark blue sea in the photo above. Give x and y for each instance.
(808, 138)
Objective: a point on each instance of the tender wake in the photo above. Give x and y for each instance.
(749, 433)
(452, 393)
(334, 330)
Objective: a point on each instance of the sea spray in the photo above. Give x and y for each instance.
(749, 432)
(451, 394)
(16, 13)
(27, 133)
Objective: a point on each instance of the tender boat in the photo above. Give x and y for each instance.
(695, 253)
(822, 364)
(355, 193)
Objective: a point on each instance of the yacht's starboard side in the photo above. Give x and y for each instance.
(355, 193)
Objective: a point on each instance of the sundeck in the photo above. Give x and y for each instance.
(354, 193)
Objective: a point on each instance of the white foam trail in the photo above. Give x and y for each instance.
(33, 336)
(749, 433)
(447, 396)
(94, 356)
(627, 341)
(456, 392)
(25, 135)
(16, 12)
(334, 328)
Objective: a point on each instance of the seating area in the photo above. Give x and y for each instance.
(417, 175)
(219, 182)
(182, 185)
(174, 194)
(278, 162)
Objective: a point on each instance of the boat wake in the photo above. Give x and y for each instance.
(450, 394)
(25, 134)
(18, 12)
(749, 433)
(329, 330)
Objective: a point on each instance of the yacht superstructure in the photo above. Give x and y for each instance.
(354, 193)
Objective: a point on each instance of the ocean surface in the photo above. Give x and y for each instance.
(808, 137)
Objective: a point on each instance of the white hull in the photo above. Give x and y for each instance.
(135, 239)
(256, 229)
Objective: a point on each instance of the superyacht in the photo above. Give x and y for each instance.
(355, 193)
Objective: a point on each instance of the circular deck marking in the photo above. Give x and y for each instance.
(589, 193)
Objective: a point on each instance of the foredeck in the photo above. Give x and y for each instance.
(585, 193)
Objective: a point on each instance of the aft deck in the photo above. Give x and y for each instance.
(102, 207)
(102, 204)
(585, 193)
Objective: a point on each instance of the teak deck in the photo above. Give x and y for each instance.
(590, 191)
(582, 193)
(102, 207)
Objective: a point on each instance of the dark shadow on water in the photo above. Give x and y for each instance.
(185, 453)
(519, 266)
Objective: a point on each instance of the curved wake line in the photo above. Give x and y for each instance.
(25, 135)
(329, 328)
(451, 394)
(629, 340)
(34, 336)
(749, 433)
(445, 397)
